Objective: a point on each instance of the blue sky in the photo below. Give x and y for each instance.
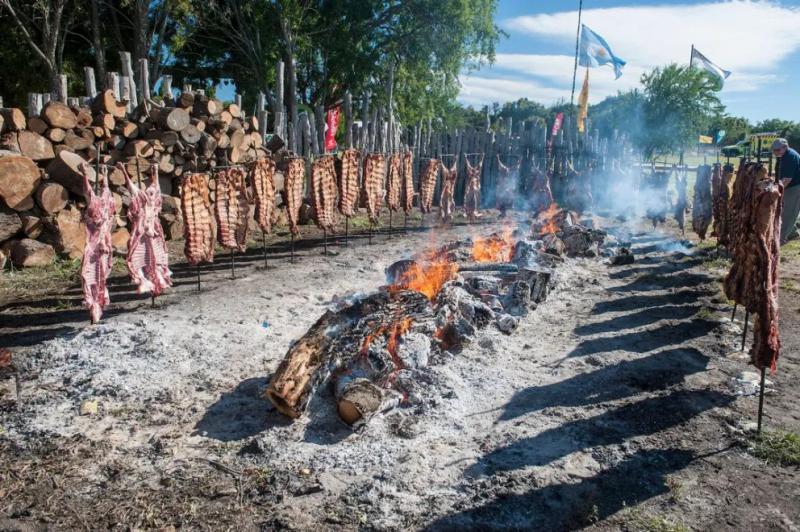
(758, 41)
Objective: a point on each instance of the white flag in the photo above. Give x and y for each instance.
(708, 66)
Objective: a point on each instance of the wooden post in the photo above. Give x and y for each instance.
(237, 99)
(166, 88)
(62, 88)
(348, 119)
(125, 91)
(46, 97)
(364, 122)
(144, 80)
(280, 110)
(262, 124)
(127, 72)
(91, 87)
(319, 118)
(310, 128)
(112, 82)
(34, 104)
(306, 130)
(260, 99)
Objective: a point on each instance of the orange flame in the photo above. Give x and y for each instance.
(495, 248)
(427, 276)
(548, 218)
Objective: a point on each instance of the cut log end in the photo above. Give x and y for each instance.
(360, 400)
(281, 404)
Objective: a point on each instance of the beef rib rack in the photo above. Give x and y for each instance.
(348, 183)
(293, 191)
(427, 185)
(323, 192)
(395, 183)
(262, 180)
(147, 259)
(232, 209)
(408, 182)
(198, 225)
(97, 254)
(374, 172)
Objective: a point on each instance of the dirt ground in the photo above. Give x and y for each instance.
(620, 403)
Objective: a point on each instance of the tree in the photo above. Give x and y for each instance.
(621, 114)
(44, 25)
(736, 128)
(679, 104)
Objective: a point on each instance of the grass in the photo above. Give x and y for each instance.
(641, 522)
(777, 448)
(705, 313)
(791, 250)
(790, 285)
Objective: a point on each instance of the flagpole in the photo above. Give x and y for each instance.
(575, 67)
(691, 57)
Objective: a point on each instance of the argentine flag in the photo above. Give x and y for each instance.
(595, 52)
(706, 64)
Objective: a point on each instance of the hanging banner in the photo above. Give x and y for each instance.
(556, 126)
(704, 139)
(330, 132)
(583, 104)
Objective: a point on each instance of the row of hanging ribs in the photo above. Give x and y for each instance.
(752, 229)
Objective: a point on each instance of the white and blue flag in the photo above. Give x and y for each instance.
(704, 63)
(595, 52)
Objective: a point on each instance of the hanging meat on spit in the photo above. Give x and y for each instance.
(472, 193)
(408, 182)
(506, 186)
(767, 206)
(722, 214)
(348, 183)
(323, 192)
(654, 193)
(97, 254)
(716, 187)
(542, 195)
(148, 259)
(232, 209)
(198, 226)
(293, 192)
(262, 180)
(702, 203)
(374, 172)
(447, 201)
(395, 183)
(427, 185)
(681, 182)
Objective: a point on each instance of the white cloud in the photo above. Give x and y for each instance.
(749, 38)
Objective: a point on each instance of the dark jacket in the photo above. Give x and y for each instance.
(790, 167)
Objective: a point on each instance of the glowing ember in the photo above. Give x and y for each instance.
(495, 248)
(427, 276)
(548, 219)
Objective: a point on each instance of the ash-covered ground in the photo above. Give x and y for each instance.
(616, 404)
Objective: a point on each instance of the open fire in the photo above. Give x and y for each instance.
(426, 275)
(547, 220)
(494, 248)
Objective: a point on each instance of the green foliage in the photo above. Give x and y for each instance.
(621, 113)
(780, 448)
(679, 104)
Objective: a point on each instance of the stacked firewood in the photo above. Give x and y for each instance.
(41, 185)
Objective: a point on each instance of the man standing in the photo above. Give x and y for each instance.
(790, 177)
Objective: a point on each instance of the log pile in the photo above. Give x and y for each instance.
(40, 156)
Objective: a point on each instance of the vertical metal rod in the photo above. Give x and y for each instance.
(346, 229)
(390, 220)
(370, 233)
(264, 245)
(233, 266)
(422, 221)
(198, 277)
(744, 332)
(325, 241)
(733, 315)
(405, 223)
(761, 398)
(292, 253)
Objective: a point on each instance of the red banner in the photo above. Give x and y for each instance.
(556, 126)
(333, 126)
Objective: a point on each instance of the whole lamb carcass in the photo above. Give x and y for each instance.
(147, 258)
(97, 254)
(447, 201)
(472, 192)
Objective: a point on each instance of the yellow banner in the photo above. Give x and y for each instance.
(583, 103)
(705, 140)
